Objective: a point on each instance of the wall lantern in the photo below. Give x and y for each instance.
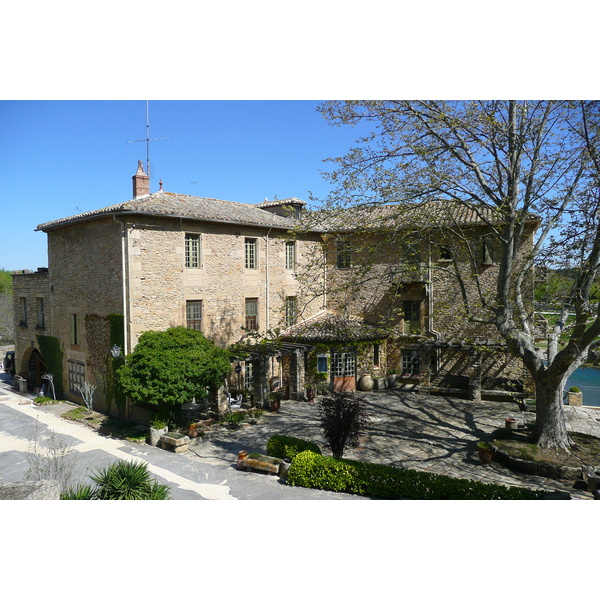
(115, 351)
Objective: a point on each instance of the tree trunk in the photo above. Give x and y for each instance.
(550, 425)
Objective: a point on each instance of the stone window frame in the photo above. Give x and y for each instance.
(251, 253)
(343, 251)
(343, 363)
(248, 375)
(193, 250)
(194, 321)
(411, 319)
(40, 305)
(251, 320)
(76, 375)
(409, 362)
(75, 329)
(291, 310)
(23, 306)
(290, 256)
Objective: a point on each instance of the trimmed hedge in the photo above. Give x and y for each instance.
(391, 483)
(284, 446)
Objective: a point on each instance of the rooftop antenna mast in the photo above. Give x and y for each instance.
(148, 140)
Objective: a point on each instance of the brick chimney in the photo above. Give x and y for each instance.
(141, 182)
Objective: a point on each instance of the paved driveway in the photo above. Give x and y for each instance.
(430, 433)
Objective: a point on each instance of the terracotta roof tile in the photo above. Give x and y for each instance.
(172, 205)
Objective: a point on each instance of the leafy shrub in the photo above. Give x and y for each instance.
(284, 446)
(343, 418)
(235, 418)
(574, 389)
(382, 481)
(121, 480)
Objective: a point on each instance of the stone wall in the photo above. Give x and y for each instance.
(85, 278)
(30, 287)
(160, 285)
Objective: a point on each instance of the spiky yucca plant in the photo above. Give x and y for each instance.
(121, 480)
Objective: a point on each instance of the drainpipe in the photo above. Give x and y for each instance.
(436, 334)
(124, 271)
(267, 320)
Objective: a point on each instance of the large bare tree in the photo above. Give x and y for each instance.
(514, 163)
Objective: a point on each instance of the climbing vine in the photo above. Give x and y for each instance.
(52, 356)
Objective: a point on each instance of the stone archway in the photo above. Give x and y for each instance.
(32, 367)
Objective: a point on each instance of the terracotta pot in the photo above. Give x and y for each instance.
(485, 455)
(192, 430)
(242, 454)
(311, 392)
(275, 404)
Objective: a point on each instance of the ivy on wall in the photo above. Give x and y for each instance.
(102, 334)
(52, 356)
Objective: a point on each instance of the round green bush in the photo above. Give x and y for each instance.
(284, 446)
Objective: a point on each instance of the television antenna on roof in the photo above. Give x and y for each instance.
(148, 140)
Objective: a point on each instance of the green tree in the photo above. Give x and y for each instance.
(6, 308)
(168, 368)
(509, 163)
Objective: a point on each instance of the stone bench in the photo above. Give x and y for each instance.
(264, 463)
(176, 442)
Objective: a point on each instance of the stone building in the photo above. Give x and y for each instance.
(163, 259)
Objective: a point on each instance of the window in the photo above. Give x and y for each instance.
(343, 364)
(412, 317)
(344, 254)
(322, 363)
(445, 253)
(248, 376)
(250, 253)
(291, 310)
(487, 251)
(193, 314)
(192, 250)
(375, 355)
(75, 329)
(290, 256)
(41, 321)
(251, 313)
(410, 362)
(76, 376)
(23, 321)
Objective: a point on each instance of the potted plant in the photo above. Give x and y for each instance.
(192, 430)
(275, 399)
(158, 428)
(575, 396)
(486, 452)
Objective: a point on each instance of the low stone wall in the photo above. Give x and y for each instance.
(589, 474)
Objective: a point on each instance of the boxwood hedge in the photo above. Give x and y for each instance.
(284, 446)
(312, 470)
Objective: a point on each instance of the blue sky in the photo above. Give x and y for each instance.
(59, 158)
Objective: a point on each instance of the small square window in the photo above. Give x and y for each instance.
(344, 254)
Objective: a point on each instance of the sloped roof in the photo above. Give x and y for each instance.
(170, 205)
(333, 328)
(430, 214)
